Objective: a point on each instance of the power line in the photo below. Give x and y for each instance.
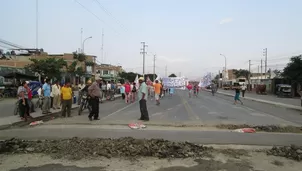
(95, 15)
(109, 14)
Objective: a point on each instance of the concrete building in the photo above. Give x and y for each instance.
(20, 62)
(108, 71)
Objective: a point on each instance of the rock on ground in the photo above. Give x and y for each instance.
(77, 148)
(293, 152)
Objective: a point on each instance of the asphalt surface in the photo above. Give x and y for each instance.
(191, 135)
(203, 110)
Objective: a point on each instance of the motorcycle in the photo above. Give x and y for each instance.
(84, 104)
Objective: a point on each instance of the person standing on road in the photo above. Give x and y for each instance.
(122, 91)
(134, 92)
(66, 98)
(30, 96)
(56, 91)
(300, 93)
(127, 91)
(237, 96)
(142, 97)
(80, 88)
(243, 89)
(95, 93)
(23, 102)
(46, 90)
(190, 87)
(157, 87)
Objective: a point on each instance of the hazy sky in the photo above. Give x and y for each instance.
(187, 35)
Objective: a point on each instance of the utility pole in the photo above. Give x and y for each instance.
(265, 55)
(249, 76)
(81, 50)
(261, 69)
(154, 58)
(37, 27)
(166, 70)
(102, 46)
(144, 54)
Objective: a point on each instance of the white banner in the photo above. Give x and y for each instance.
(175, 82)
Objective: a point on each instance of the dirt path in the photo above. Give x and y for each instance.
(228, 160)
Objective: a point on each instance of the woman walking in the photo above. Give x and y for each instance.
(237, 96)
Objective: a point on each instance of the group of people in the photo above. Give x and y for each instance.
(50, 96)
(129, 93)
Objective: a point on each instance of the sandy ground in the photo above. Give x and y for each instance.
(224, 160)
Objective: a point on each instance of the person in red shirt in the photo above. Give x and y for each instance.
(127, 92)
(190, 87)
(30, 96)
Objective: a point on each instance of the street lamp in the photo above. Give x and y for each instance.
(83, 45)
(225, 69)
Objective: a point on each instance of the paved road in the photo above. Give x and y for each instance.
(204, 110)
(192, 135)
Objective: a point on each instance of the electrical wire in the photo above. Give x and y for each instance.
(109, 14)
(95, 15)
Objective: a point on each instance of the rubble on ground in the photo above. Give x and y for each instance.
(291, 152)
(78, 148)
(264, 128)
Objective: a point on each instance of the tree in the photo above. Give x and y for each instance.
(278, 73)
(130, 76)
(172, 75)
(81, 57)
(49, 67)
(241, 73)
(293, 70)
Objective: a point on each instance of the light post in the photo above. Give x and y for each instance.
(83, 45)
(225, 68)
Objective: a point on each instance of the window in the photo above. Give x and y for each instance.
(105, 72)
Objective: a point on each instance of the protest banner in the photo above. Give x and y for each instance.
(173, 82)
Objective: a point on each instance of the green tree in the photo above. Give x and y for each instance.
(241, 73)
(150, 76)
(130, 76)
(49, 67)
(172, 75)
(293, 70)
(278, 73)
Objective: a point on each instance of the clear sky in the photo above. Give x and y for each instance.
(186, 35)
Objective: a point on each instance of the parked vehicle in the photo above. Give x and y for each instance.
(283, 90)
(226, 87)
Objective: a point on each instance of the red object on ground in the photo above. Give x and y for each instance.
(136, 125)
(245, 130)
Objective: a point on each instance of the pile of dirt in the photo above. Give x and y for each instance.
(293, 152)
(264, 128)
(78, 148)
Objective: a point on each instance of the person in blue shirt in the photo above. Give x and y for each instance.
(46, 90)
(171, 91)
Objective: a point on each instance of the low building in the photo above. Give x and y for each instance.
(19, 61)
(109, 72)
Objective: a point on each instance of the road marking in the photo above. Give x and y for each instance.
(212, 113)
(257, 114)
(189, 110)
(158, 113)
(118, 111)
(170, 109)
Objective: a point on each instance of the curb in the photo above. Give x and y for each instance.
(43, 118)
(288, 106)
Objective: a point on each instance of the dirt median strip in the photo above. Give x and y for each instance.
(131, 148)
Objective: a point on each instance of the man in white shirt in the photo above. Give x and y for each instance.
(243, 89)
(56, 92)
(81, 86)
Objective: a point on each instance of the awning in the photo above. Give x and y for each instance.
(19, 76)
